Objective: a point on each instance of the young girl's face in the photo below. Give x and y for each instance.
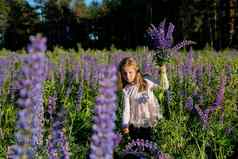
(129, 73)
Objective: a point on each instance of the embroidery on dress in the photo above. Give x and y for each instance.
(143, 98)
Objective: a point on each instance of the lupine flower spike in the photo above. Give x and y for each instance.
(161, 41)
(141, 146)
(103, 140)
(30, 116)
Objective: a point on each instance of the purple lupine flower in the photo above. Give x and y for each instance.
(182, 44)
(117, 57)
(117, 137)
(70, 84)
(58, 145)
(102, 138)
(87, 64)
(203, 115)
(92, 63)
(187, 68)
(220, 95)
(77, 71)
(79, 97)
(91, 70)
(38, 70)
(13, 59)
(159, 38)
(51, 106)
(52, 151)
(161, 42)
(169, 35)
(95, 76)
(86, 73)
(30, 117)
(17, 151)
(64, 146)
(142, 146)
(194, 70)
(62, 69)
(189, 103)
(95, 72)
(38, 44)
(50, 67)
(199, 75)
(164, 156)
(147, 69)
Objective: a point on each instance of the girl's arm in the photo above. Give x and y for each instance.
(126, 112)
(164, 83)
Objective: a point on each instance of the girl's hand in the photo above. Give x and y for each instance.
(125, 131)
(164, 83)
(163, 69)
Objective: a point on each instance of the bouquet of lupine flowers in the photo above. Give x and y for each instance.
(161, 40)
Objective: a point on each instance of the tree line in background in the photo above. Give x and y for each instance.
(119, 23)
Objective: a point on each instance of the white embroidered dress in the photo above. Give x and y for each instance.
(141, 109)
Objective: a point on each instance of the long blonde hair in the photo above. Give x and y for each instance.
(139, 80)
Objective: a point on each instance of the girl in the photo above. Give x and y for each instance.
(141, 108)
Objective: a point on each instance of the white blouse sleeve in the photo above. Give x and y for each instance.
(163, 82)
(152, 83)
(126, 110)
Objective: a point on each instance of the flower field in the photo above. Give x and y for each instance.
(65, 104)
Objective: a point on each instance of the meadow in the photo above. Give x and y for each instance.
(64, 87)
